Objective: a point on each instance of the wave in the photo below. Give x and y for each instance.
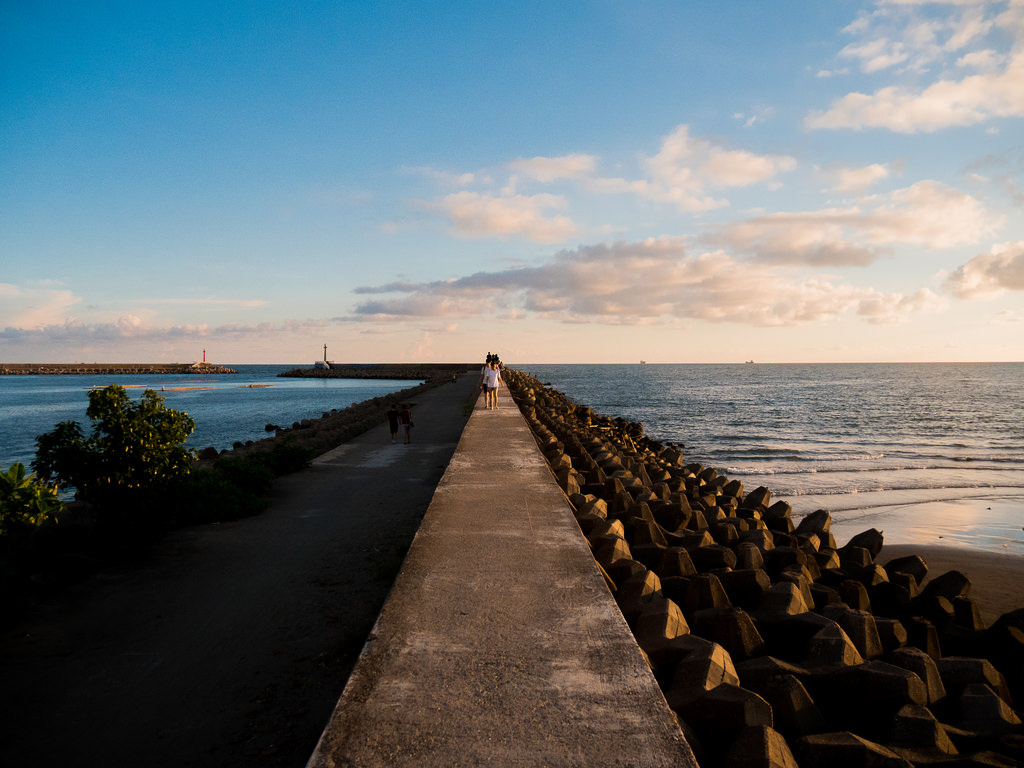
(767, 470)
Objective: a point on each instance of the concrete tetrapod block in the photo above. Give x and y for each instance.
(705, 591)
(748, 556)
(732, 628)
(819, 522)
(745, 587)
(843, 749)
(958, 672)
(948, 585)
(854, 594)
(635, 592)
(712, 556)
(794, 711)
(984, 711)
(624, 568)
(781, 600)
(913, 565)
(870, 540)
(891, 632)
(921, 634)
(824, 596)
(760, 747)
(676, 561)
(860, 627)
(658, 622)
(924, 666)
(706, 666)
(916, 728)
(722, 712)
(865, 697)
(808, 639)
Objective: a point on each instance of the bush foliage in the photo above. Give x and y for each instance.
(134, 447)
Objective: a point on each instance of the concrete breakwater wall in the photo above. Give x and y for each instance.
(382, 371)
(774, 645)
(107, 369)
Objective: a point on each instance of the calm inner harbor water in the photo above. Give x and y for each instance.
(226, 408)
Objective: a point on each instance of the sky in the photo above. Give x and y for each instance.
(587, 182)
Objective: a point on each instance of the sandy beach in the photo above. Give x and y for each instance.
(983, 538)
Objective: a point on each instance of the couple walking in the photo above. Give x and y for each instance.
(490, 380)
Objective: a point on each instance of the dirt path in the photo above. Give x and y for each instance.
(232, 645)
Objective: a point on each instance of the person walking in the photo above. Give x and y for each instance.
(393, 422)
(492, 380)
(405, 422)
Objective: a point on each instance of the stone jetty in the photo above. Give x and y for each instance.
(773, 644)
(108, 369)
(382, 371)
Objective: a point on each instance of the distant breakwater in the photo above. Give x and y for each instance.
(774, 645)
(382, 371)
(108, 369)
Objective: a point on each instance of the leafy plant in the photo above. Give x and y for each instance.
(134, 447)
(25, 501)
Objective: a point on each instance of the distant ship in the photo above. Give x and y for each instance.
(643, 362)
(749, 362)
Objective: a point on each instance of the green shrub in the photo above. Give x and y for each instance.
(135, 450)
(25, 501)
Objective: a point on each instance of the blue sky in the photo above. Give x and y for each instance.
(559, 182)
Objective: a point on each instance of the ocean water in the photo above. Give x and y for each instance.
(226, 408)
(866, 441)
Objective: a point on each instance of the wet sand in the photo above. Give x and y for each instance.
(983, 538)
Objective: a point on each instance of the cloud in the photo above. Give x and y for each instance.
(549, 169)
(1002, 269)
(689, 165)
(131, 327)
(643, 283)
(475, 215)
(853, 180)
(944, 104)
(33, 306)
(927, 214)
(897, 35)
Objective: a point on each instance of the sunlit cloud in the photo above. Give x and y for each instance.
(855, 180)
(31, 306)
(476, 215)
(999, 270)
(644, 283)
(927, 214)
(993, 89)
(548, 169)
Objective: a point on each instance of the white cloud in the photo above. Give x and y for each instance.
(900, 36)
(876, 55)
(643, 283)
(1001, 269)
(854, 180)
(927, 214)
(944, 104)
(475, 215)
(548, 169)
(34, 306)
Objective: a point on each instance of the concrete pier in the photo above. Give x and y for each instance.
(500, 643)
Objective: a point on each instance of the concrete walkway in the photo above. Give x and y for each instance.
(500, 643)
(230, 645)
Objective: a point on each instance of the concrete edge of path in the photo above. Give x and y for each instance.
(500, 643)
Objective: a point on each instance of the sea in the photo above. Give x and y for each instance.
(926, 452)
(227, 408)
